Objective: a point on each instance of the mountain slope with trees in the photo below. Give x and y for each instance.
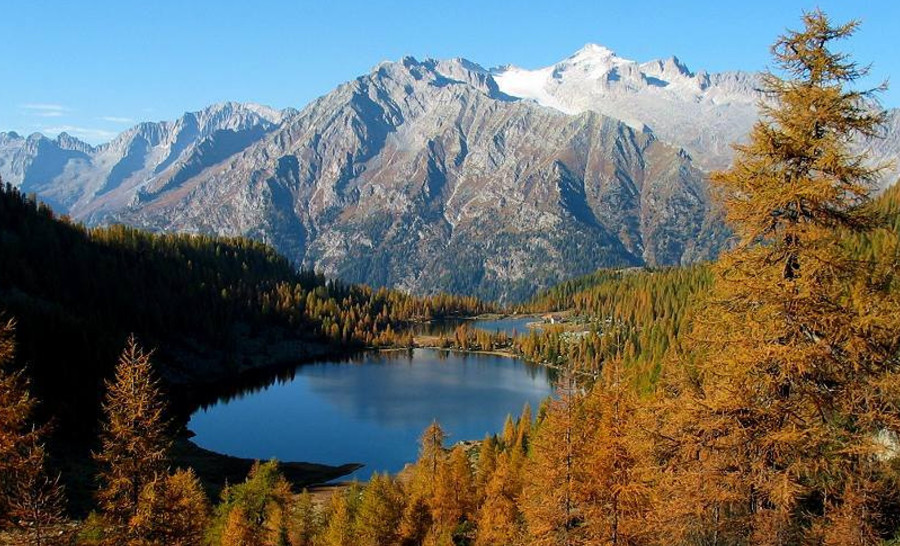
(212, 307)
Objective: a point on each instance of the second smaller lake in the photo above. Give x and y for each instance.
(511, 326)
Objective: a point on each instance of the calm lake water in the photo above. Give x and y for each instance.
(511, 326)
(373, 409)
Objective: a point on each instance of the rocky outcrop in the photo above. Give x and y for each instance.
(433, 175)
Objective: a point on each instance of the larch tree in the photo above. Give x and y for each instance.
(484, 469)
(792, 385)
(29, 497)
(380, 509)
(134, 439)
(173, 511)
(499, 519)
(305, 521)
(16, 404)
(549, 500)
(340, 516)
(38, 500)
(236, 530)
(418, 517)
(614, 490)
(258, 508)
(452, 504)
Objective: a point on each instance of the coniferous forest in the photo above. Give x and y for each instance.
(750, 400)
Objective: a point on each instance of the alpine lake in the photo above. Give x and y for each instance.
(371, 409)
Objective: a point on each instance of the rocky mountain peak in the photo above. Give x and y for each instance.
(593, 53)
(702, 113)
(67, 142)
(432, 175)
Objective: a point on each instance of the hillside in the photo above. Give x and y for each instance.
(213, 308)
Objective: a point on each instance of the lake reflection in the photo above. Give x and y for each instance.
(371, 410)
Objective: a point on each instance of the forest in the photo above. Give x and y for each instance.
(752, 400)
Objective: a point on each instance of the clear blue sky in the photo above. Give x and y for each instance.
(94, 68)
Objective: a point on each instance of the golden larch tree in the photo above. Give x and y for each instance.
(16, 404)
(259, 507)
(340, 517)
(792, 379)
(499, 518)
(29, 497)
(173, 510)
(305, 521)
(615, 487)
(452, 503)
(377, 521)
(134, 440)
(549, 501)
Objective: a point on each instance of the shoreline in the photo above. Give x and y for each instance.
(216, 469)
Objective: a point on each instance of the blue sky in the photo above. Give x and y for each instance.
(95, 68)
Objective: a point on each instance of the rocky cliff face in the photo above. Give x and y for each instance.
(433, 175)
(700, 112)
(423, 175)
(90, 182)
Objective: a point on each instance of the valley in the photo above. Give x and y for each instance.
(597, 302)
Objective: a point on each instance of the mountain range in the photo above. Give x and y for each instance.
(434, 175)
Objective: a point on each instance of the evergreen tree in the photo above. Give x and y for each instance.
(793, 377)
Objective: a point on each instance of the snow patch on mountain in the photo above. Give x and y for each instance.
(700, 112)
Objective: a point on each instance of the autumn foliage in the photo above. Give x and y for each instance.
(755, 400)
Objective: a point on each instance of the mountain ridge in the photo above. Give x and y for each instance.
(424, 175)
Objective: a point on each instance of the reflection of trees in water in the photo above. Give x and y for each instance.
(370, 407)
(256, 381)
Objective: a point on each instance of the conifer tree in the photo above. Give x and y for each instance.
(793, 376)
(523, 428)
(173, 511)
(340, 516)
(380, 509)
(38, 501)
(134, 440)
(549, 501)
(419, 514)
(16, 435)
(487, 463)
(431, 456)
(305, 523)
(452, 501)
(499, 519)
(237, 530)
(258, 508)
(29, 497)
(614, 489)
